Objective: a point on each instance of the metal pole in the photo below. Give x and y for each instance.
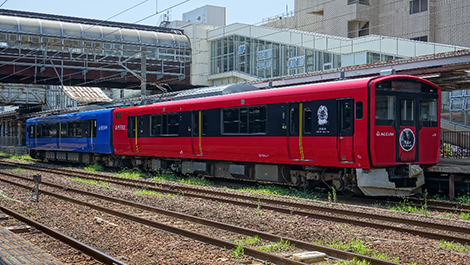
(451, 187)
(143, 67)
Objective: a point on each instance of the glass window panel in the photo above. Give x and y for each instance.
(407, 110)
(72, 29)
(458, 117)
(428, 112)
(384, 109)
(457, 103)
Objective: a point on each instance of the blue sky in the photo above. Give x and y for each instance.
(244, 11)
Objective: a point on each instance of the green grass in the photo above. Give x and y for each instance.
(200, 181)
(94, 167)
(26, 158)
(276, 190)
(405, 206)
(282, 245)
(148, 193)
(353, 261)
(19, 170)
(457, 247)
(131, 174)
(2, 154)
(464, 216)
(85, 181)
(463, 199)
(357, 246)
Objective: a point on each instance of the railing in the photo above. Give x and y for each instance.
(455, 144)
(9, 141)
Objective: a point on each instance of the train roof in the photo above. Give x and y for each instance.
(71, 116)
(327, 87)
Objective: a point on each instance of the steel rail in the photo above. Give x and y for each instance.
(401, 220)
(256, 204)
(200, 237)
(90, 251)
(340, 254)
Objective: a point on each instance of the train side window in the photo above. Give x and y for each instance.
(384, 110)
(53, 130)
(163, 124)
(257, 120)
(63, 129)
(359, 110)
(173, 124)
(307, 120)
(156, 124)
(294, 119)
(230, 119)
(346, 116)
(89, 128)
(428, 112)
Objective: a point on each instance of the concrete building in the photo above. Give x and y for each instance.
(425, 20)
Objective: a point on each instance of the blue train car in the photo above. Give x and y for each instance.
(76, 137)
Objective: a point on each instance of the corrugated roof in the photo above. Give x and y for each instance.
(86, 94)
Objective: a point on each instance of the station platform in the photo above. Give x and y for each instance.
(452, 166)
(15, 250)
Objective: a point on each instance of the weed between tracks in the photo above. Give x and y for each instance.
(457, 247)
(282, 245)
(94, 167)
(25, 158)
(356, 246)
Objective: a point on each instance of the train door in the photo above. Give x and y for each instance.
(406, 129)
(345, 140)
(299, 126)
(395, 131)
(136, 129)
(89, 132)
(198, 130)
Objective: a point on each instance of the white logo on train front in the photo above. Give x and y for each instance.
(407, 139)
(322, 114)
(120, 127)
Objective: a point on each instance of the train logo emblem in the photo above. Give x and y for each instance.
(322, 114)
(407, 139)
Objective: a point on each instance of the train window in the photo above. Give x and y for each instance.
(118, 115)
(307, 120)
(196, 123)
(407, 111)
(346, 115)
(164, 124)
(53, 130)
(359, 110)
(244, 120)
(88, 128)
(257, 120)
(384, 110)
(31, 131)
(156, 125)
(428, 112)
(231, 119)
(294, 119)
(173, 124)
(63, 129)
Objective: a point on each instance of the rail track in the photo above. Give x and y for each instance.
(84, 248)
(422, 228)
(197, 236)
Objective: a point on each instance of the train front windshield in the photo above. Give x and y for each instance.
(406, 125)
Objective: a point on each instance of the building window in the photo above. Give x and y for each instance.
(417, 6)
(363, 2)
(422, 38)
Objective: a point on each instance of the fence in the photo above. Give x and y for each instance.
(455, 144)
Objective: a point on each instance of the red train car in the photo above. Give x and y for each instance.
(370, 136)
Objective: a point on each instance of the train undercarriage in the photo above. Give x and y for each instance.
(391, 181)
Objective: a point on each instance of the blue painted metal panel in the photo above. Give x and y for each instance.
(101, 143)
